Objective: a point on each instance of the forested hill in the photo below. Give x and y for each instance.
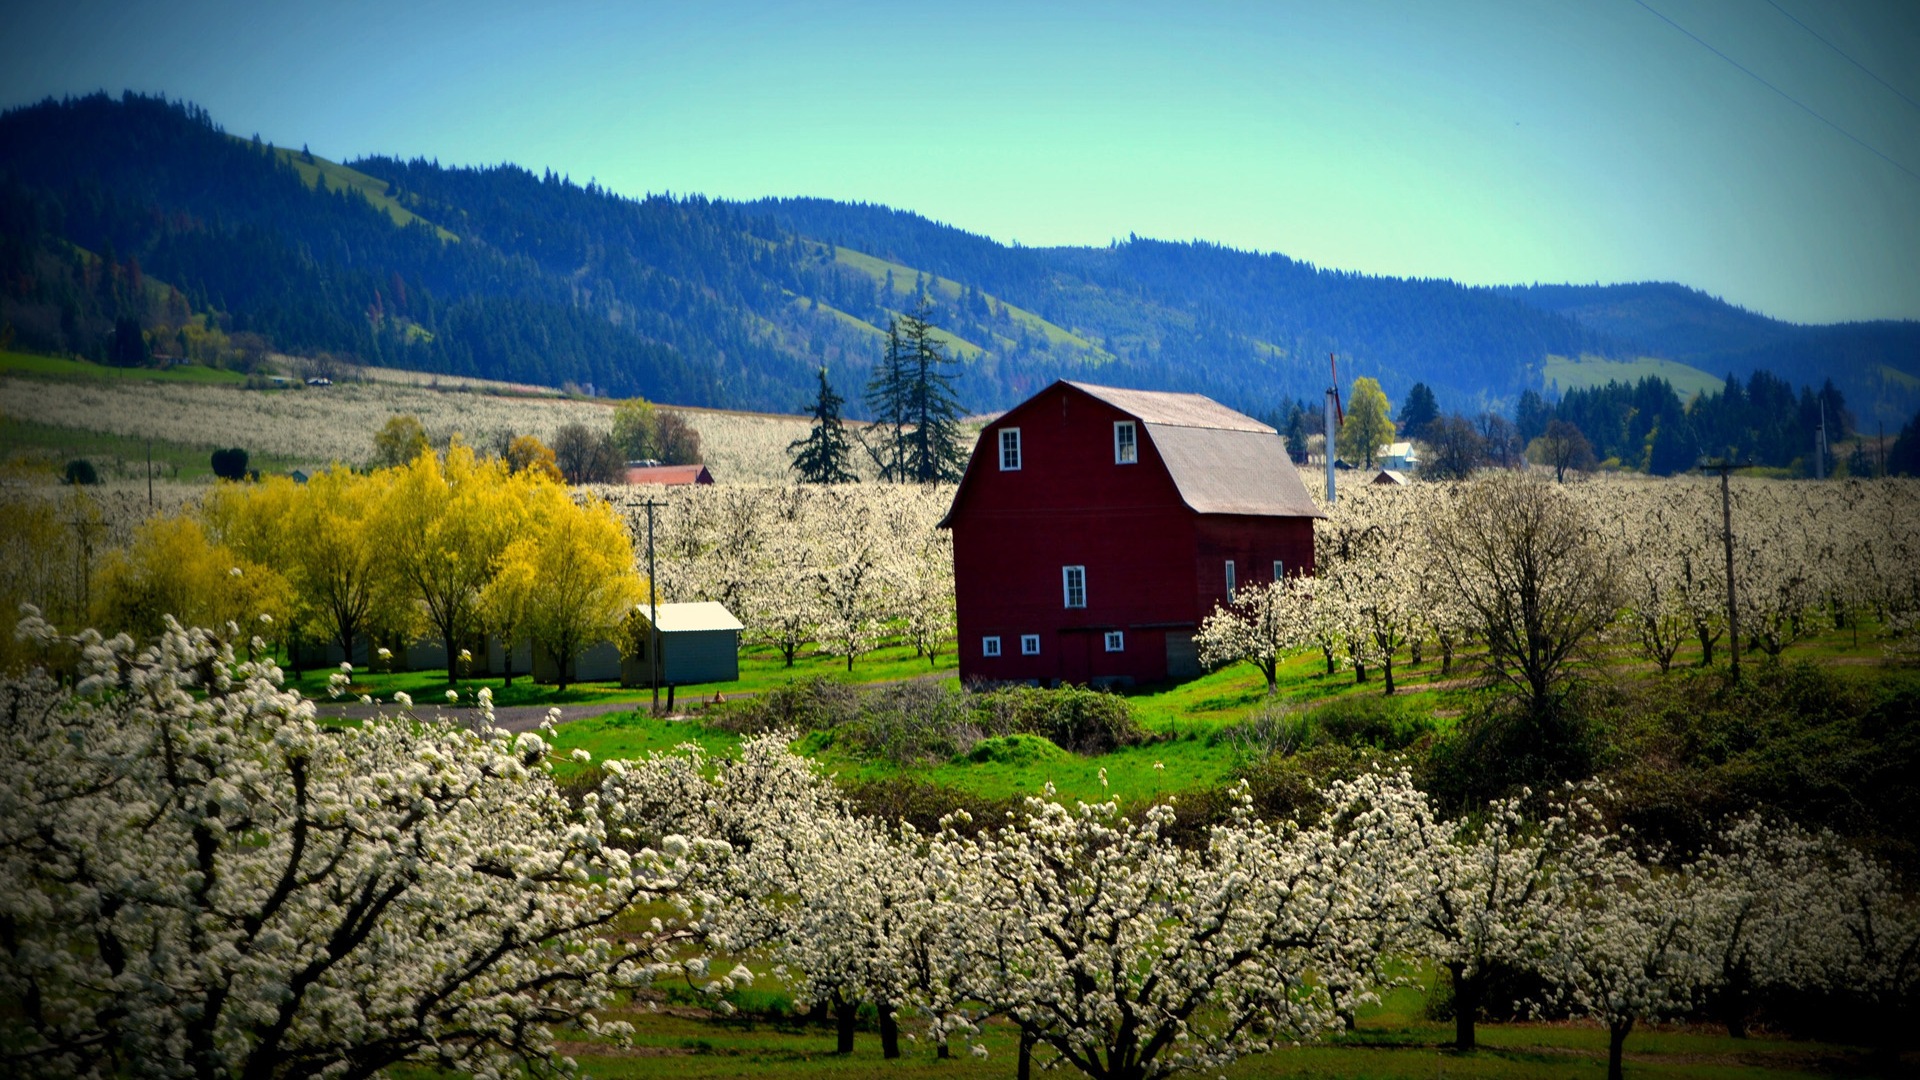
(1873, 362)
(506, 273)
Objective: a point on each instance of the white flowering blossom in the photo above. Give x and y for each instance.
(196, 879)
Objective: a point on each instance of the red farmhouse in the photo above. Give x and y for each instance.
(1095, 528)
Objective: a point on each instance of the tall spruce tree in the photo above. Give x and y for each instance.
(887, 398)
(822, 457)
(912, 398)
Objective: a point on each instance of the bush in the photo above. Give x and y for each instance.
(1379, 723)
(81, 471)
(816, 704)
(1501, 748)
(1083, 721)
(230, 464)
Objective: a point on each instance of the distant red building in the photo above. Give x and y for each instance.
(1096, 527)
(668, 474)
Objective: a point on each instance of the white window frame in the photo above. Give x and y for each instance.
(1279, 570)
(1233, 580)
(1116, 641)
(1012, 444)
(1126, 452)
(990, 645)
(1073, 579)
(1029, 644)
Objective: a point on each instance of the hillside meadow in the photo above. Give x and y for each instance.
(70, 408)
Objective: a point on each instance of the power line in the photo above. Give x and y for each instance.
(1843, 55)
(1803, 106)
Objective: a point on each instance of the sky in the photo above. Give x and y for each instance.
(1486, 141)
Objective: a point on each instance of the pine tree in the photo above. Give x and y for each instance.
(933, 446)
(821, 457)
(887, 397)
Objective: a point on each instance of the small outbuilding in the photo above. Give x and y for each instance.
(1390, 478)
(699, 643)
(670, 475)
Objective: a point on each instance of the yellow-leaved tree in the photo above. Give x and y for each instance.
(446, 528)
(173, 568)
(568, 579)
(1369, 422)
(344, 577)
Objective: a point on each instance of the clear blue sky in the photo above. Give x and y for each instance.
(1488, 142)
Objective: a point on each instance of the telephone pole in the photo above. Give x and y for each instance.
(653, 614)
(1725, 467)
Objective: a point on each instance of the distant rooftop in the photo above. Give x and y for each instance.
(700, 615)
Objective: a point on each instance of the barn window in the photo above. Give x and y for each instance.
(1116, 641)
(1230, 579)
(990, 645)
(1074, 580)
(1126, 450)
(1279, 569)
(1030, 644)
(1010, 449)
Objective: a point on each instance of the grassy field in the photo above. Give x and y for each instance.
(1588, 371)
(341, 177)
(195, 407)
(55, 367)
(1391, 1041)
(903, 278)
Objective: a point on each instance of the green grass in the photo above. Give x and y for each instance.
(1392, 1041)
(903, 278)
(115, 456)
(1590, 371)
(370, 188)
(55, 367)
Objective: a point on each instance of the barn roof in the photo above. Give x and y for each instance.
(701, 615)
(1222, 461)
(1174, 410)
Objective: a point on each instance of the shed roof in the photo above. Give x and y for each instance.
(1222, 461)
(688, 618)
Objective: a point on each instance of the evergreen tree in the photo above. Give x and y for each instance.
(1419, 410)
(887, 398)
(932, 453)
(821, 457)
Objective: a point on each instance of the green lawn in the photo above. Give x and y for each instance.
(1589, 371)
(56, 367)
(1392, 1041)
(116, 456)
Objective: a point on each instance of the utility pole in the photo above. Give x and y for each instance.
(1725, 467)
(149, 476)
(653, 614)
(1332, 410)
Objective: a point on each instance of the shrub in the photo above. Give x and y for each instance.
(230, 464)
(1081, 720)
(1379, 723)
(81, 471)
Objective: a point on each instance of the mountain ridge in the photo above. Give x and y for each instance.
(735, 304)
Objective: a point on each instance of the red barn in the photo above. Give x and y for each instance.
(1096, 527)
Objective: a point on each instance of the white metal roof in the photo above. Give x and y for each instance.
(702, 615)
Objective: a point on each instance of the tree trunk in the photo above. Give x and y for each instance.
(889, 1032)
(1466, 1006)
(453, 658)
(1446, 656)
(1327, 651)
(1616, 1046)
(1387, 670)
(843, 1016)
(1024, 1069)
(1413, 652)
(1706, 645)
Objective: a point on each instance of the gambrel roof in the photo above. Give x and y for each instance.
(1222, 461)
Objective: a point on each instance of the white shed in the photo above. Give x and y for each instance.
(699, 643)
